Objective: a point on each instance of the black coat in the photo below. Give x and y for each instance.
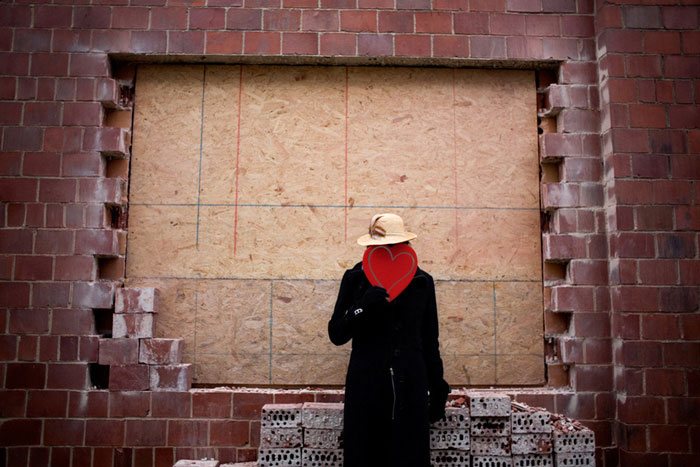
(394, 365)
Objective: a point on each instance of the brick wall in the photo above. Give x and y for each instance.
(620, 164)
(648, 71)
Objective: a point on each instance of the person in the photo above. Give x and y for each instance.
(394, 384)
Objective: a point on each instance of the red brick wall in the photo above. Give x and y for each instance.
(619, 152)
(649, 70)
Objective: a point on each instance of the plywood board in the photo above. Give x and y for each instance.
(400, 137)
(292, 135)
(167, 134)
(250, 184)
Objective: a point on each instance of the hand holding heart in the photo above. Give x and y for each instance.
(390, 266)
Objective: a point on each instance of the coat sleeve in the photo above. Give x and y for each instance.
(340, 324)
(438, 387)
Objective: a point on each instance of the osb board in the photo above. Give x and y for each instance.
(250, 184)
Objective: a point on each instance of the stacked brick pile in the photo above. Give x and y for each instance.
(449, 438)
(306, 434)
(488, 431)
(574, 444)
(138, 361)
(531, 436)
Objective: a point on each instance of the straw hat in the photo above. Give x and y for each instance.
(386, 229)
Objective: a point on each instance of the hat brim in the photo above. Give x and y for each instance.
(367, 240)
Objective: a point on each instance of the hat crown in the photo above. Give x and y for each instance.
(386, 224)
(386, 229)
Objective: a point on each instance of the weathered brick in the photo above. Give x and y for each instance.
(101, 190)
(565, 298)
(322, 415)
(136, 300)
(559, 195)
(93, 294)
(170, 377)
(133, 325)
(110, 141)
(161, 351)
(489, 404)
(273, 438)
(558, 247)
(122, 351)
(128, 377)
(282, 415)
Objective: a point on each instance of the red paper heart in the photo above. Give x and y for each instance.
(390, 266)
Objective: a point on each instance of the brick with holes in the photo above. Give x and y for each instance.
(272, 438)
(449, 439)
(321, 457)
(279, 457)
(455, 418)
(322, 415)
(578, 459)
(489, 404)
(579, 439)
(281, 415)
(490, 426)
(322, 439)
(531, 422)
(491, 461)
(490, 446)
(532, 460)
(449, 458)
(534, 443)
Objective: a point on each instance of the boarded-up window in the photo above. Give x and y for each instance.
(250, 184)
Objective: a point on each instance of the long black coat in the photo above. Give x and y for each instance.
(395, 362)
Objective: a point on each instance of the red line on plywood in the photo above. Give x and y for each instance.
(238, 154)
(454, 138)
(346, 154)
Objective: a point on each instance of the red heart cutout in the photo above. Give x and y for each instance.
(390, 266)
